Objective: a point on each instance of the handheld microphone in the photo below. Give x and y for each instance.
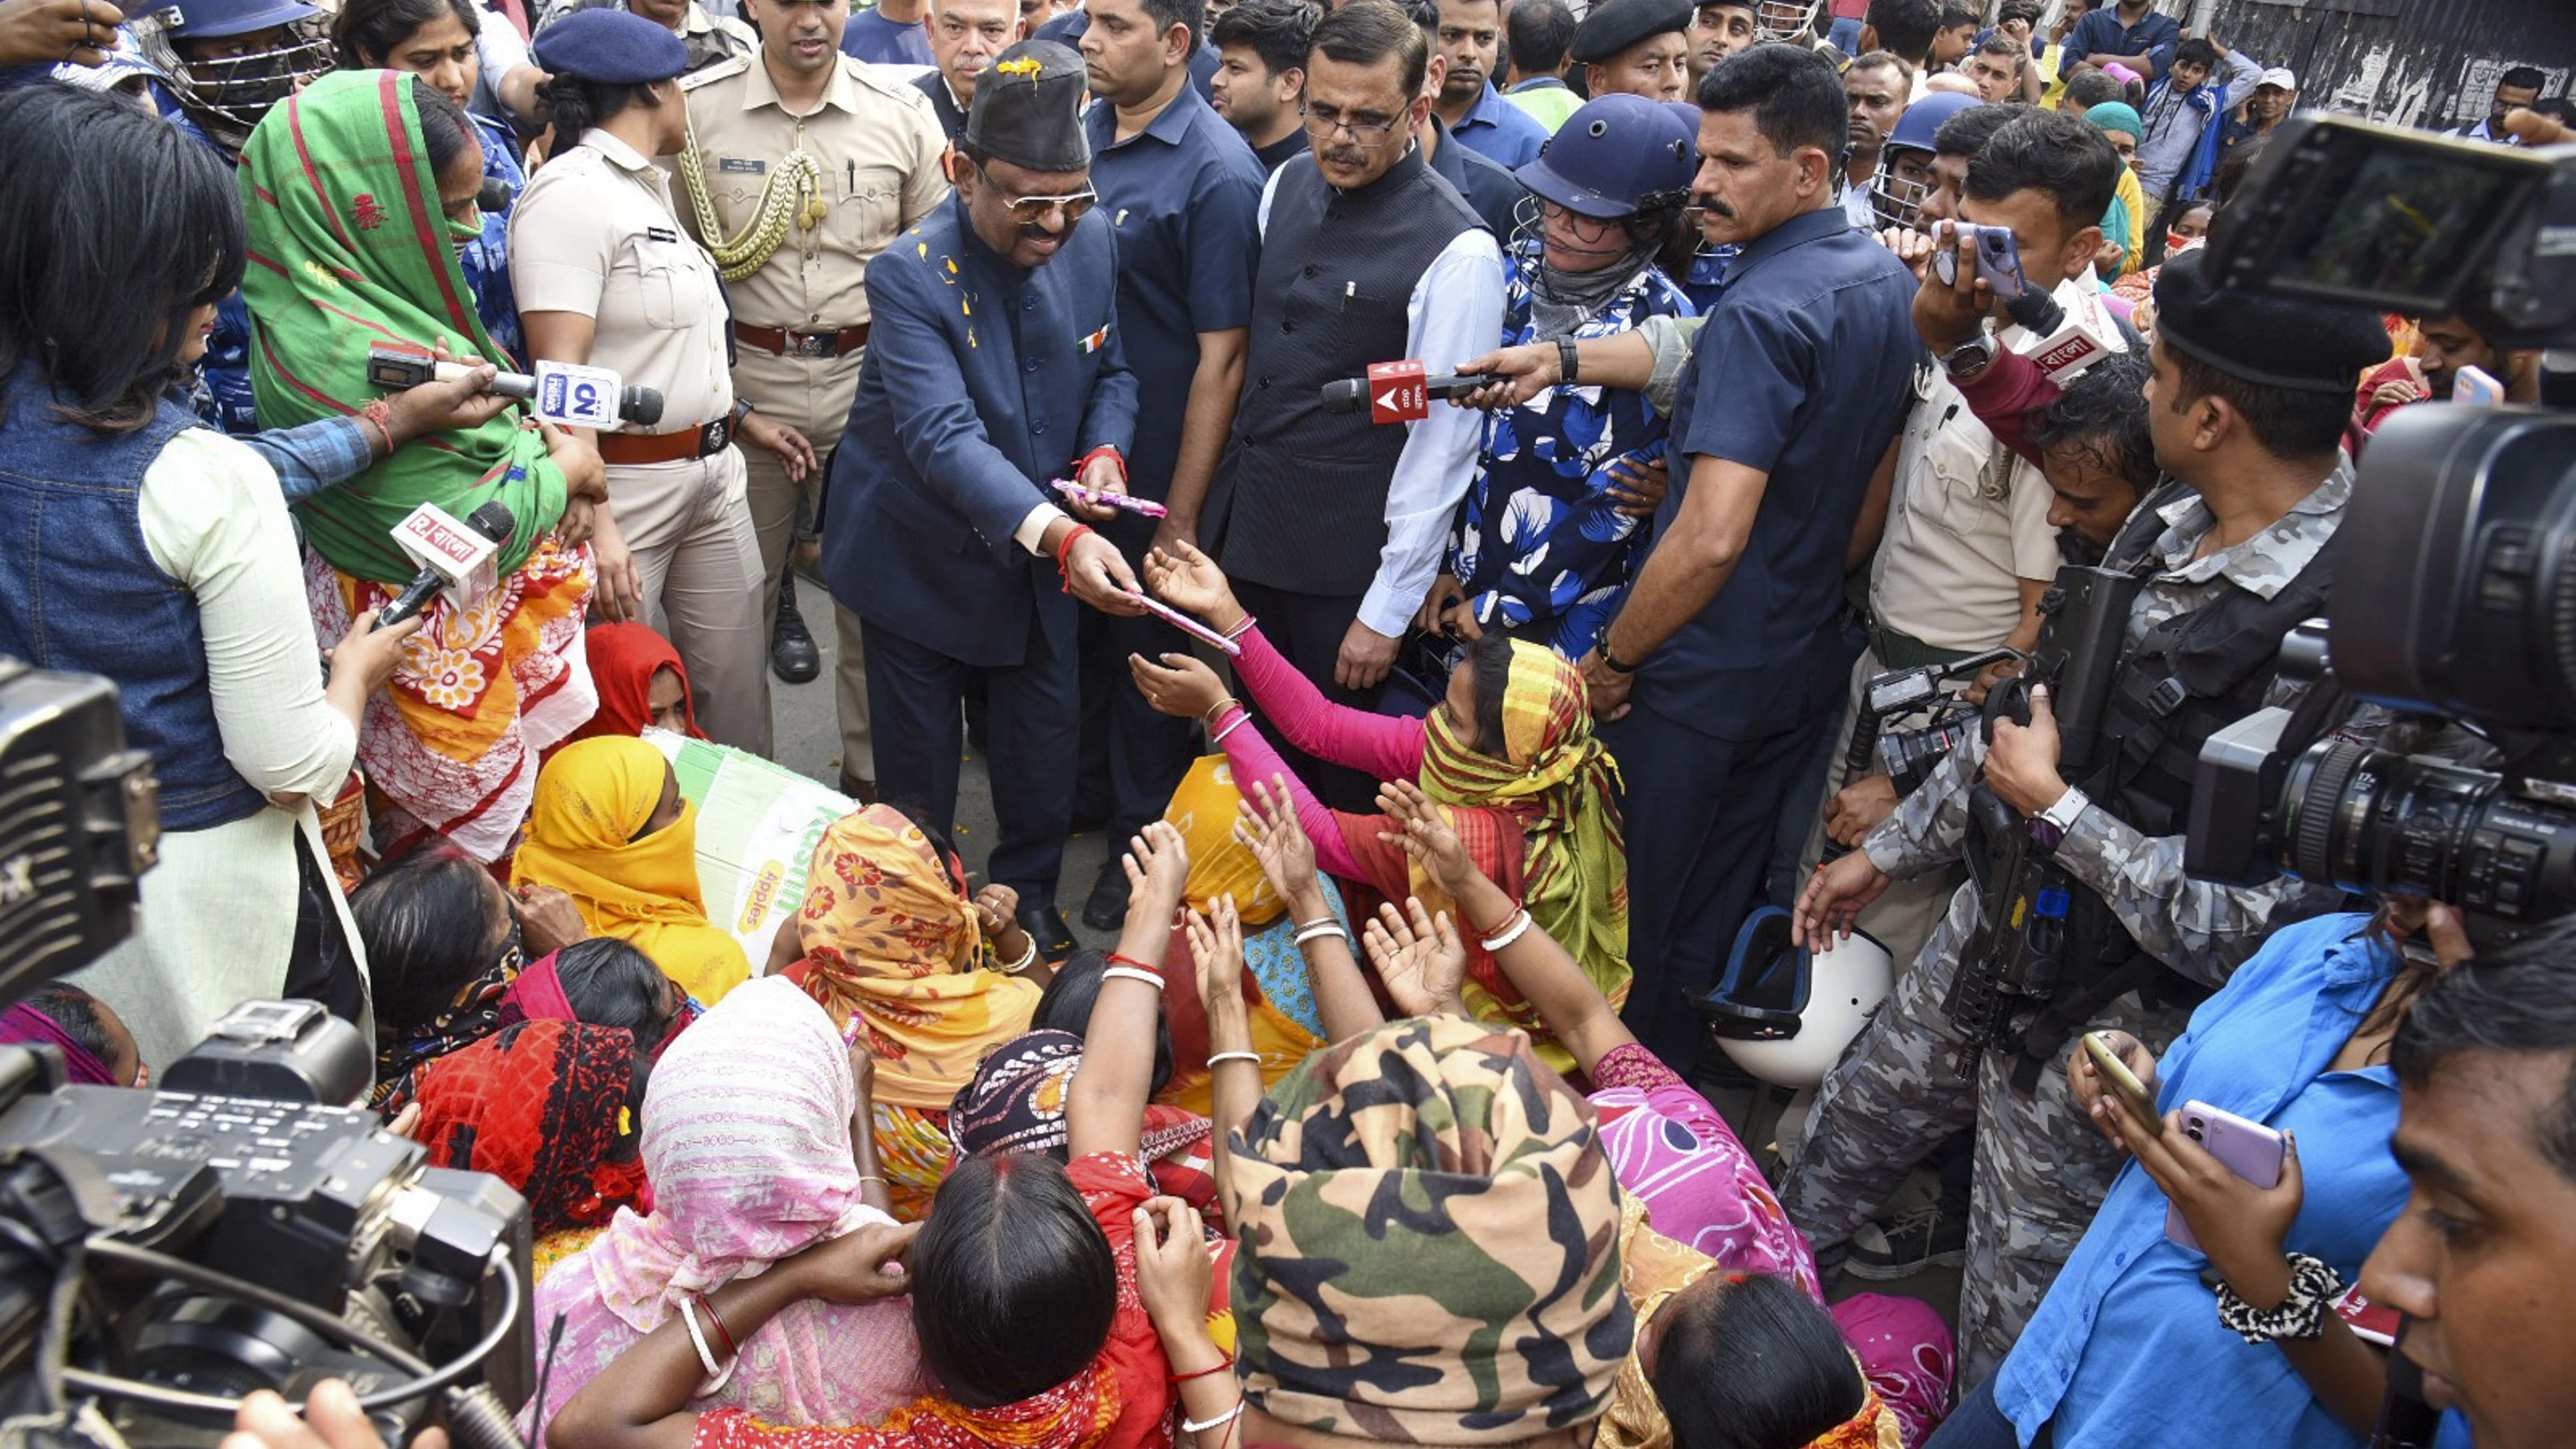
(448, 560)
(564, 393)
(493, 195)
(1355, 394)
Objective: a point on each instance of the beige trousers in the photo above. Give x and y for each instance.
(811, 395)
(689, 528)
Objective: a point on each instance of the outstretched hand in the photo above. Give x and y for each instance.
(1420, 958)
(1216, 951)
(1266, 821)
(1425, 835)
(1188, 580)
(1157, 866)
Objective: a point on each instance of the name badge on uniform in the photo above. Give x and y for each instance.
(741, 165)
(661, 234)
(1095, 341)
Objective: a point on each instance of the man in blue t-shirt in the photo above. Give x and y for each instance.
(889, 33)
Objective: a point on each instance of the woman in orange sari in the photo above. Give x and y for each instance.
(894, 950)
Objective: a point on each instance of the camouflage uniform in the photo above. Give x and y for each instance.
(1428, 1235)
(1912, 1078)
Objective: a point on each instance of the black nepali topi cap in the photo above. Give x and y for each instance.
(1612, 27)
(1028, 109)
(2275, 341)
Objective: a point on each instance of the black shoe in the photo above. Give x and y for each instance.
(1908, 1243)
(1046, 926)
(1107, 908)
(792, 655)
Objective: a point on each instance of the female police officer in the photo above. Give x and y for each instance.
(606, 276)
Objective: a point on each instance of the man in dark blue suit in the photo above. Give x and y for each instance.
(993, 369)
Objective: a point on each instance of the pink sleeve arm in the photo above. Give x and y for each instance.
(1252, 758)
(1384, 747)
(2006, 394)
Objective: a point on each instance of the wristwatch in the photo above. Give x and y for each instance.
(1609, 660)
(2048, 828)
(1567, 358)
(1965, 361)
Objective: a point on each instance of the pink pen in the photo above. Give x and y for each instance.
(1146, 506)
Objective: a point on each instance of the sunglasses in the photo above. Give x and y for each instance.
(1030, 210)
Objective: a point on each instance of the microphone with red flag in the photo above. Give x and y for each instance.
(1397, 392)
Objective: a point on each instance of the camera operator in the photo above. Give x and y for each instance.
(2247, 403)
(2486, 1133)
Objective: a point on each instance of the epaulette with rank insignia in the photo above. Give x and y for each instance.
(725, 69)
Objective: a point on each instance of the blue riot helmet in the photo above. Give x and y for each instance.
(1620, 158)
(1899, 200)
(229, 61)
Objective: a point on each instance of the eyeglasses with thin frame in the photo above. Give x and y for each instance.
(1030, 210)
(1365, 128)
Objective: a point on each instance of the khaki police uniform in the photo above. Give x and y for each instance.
(595, 234)
(801, 312)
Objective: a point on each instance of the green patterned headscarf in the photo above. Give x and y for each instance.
(1427, 1242)
(348, 246)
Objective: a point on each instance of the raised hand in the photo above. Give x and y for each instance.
(1188, 580)
(1216, 950)
(1421, 959)
(1267, 822)
(1157, 867)
(1426, 836)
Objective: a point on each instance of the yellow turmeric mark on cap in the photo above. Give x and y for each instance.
(1026, 65)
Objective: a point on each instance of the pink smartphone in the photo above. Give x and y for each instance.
(2249, 1149)
(1075, 491)
(1185, 623)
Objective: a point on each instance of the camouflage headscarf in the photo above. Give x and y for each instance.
(1429, 1242)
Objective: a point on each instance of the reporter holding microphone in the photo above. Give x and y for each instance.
(159, 553)
(358, 249)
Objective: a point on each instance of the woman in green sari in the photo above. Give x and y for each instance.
(358, 192)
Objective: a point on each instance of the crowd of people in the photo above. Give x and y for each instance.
(1446, 754)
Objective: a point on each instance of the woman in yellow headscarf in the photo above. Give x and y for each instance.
(611, 830)
(894, 950)
(1508, 754)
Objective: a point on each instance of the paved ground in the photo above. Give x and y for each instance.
(808, 738)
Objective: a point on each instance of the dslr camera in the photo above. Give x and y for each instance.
(2456, 564)
(249, 1225)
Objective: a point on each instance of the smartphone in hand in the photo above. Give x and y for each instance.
(1993, 254)
(2124, 1083)
(2249, 1149)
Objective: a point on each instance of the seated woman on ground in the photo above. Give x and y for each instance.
(1285, 1022)
(444, 942)
(1509, 754)
(602, 981)
(641, 682)
(893, 946)
(550, 1107)
(97, 1049)
(1668, 1146)
(612, 831)
(1028, 1284)
(743, 1179)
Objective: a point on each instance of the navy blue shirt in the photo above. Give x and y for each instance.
(1802, 373)
(1500, 131)
(873, 38)
(1067, 29)
(1183, 197)
(983, 382)
(1491, 189)
(2101, 33)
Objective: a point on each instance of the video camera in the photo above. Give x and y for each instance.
(2456, 560)
(247, 1226)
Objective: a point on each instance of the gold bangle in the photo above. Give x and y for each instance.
(1213, 712)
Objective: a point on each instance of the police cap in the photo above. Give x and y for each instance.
(612, 47)
(1613, 27)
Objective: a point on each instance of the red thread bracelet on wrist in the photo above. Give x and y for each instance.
(1064, 549)
(1120, 959)
(1085, 461)
(1220, 1366)
(381, 413)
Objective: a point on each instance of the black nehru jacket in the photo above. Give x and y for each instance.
(1304, 491)
(952, 117)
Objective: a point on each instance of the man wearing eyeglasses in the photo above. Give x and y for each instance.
(995, 368)
(1332, 528)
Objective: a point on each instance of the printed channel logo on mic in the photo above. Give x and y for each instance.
(1396, 393)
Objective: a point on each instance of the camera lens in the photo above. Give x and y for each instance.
(2369, 820)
